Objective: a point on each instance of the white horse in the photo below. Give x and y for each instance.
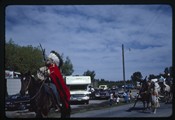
(167, 92)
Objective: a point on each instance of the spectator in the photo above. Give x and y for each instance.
(118, 99)
(114, 97)
(111, 99)
(125, 96)
(130, 95)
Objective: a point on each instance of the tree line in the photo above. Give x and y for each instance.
(28, 58)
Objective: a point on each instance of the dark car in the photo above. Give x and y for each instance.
(17, 102)
(120, 94)
(129, 86)
(101, 94)
(96, 93)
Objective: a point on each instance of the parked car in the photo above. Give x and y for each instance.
(120, 94)
(17, 102)
(102, 94)
(97, 93)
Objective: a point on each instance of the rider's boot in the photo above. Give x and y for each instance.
(57, 108)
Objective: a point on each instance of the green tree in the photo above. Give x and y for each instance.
(21, 58)
(25, 58)
(67, 68)
(152, 76)
(91, 74)
(166, 71)
(136, 77)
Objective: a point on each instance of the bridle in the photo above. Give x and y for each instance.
(27, 84)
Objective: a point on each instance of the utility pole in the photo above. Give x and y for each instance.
(123, 61)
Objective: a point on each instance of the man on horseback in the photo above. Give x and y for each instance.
(144, 93)
(43, 74)
(52, 75)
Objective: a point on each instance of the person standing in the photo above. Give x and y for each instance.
(125, 96)
(118, 99)
(111, 99)
(130, 95)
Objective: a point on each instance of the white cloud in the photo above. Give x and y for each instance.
(92, 35)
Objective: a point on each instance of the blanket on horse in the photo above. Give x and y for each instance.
(58, 80)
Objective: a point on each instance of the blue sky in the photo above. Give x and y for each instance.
(92, 36)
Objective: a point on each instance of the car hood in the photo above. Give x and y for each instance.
(79, 92)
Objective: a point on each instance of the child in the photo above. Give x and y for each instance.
(118, 99)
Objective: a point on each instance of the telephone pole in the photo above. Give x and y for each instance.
(123, 61)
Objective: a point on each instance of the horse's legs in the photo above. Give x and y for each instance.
(166, 97)
(169, 97)
(154, 108)
(144, 108)
(65, 112)
(147, 107)
(39, 115)
(135, 103)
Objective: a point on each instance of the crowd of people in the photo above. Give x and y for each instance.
(127, 97)
(162, 88)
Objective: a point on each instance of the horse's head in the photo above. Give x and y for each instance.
(25, 82)
(144, 85)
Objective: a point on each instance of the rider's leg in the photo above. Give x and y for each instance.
(53, 93)
(54, 89)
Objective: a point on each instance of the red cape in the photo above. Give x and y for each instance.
(58, 80)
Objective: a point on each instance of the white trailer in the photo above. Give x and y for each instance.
(13, 82)
(78, 86)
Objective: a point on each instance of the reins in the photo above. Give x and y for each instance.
(37, 91)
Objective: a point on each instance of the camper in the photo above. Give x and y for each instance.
(78, 86)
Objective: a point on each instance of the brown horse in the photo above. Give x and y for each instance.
(144, 96)
(40, 100)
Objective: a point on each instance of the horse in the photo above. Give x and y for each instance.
(166, 90)
(40, 100)
(143, 95)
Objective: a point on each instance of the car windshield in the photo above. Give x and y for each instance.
(79, 87)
